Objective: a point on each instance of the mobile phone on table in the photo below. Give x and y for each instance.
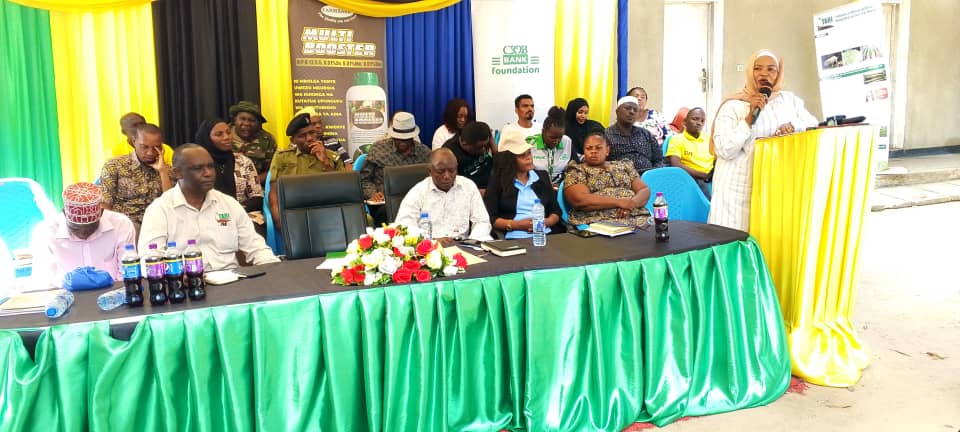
(583, 233)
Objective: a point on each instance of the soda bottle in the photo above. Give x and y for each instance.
(539, 227)
(132, 278)
(174, 273)
(660, 218)
(155, 273)
(193, 266)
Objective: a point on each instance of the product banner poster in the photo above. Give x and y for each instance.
(513, 44)
(338, 65)
(853, 67)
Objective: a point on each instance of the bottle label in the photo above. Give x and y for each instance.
(174, 267)
(193, 265)
(156, 270)
(538, 226)
(660, 212)
(131, 271)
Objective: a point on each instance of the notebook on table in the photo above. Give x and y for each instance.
(503, 248)
(611, 229)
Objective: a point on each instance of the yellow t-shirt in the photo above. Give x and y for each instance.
(122, 148)
(693, 152)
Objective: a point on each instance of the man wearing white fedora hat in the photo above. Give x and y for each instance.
(399, 148)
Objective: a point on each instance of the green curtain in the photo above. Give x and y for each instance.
(585, 348)
(29, 142)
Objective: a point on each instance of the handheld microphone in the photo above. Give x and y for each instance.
(756, 111)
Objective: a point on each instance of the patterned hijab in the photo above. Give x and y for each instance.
(751, 88)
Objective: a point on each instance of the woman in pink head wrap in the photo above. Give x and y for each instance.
(735, 129)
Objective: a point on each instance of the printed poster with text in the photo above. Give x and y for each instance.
(851, 46)
(337, 65)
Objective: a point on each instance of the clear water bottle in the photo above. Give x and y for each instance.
(132, 277)
(155, 274)
(539, 226)
(193, 267)
(660, 218)
(59, 305)
(113, 299)
(426, 227)
(173, 262)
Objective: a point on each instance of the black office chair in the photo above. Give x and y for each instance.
(320, 213)
(397, 181)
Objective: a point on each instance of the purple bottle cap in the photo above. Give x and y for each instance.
(191, 242)
(153, 246)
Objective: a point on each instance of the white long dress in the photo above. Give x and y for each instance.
(733, 141)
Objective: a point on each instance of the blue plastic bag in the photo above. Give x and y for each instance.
(86, 278)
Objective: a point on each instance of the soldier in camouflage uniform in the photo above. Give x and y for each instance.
(250, 139)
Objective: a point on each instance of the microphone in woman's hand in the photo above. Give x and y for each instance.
(765, 91)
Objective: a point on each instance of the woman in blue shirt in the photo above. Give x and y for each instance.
(514, 185)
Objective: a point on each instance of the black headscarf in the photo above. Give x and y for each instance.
(223, 161)
(576, 131)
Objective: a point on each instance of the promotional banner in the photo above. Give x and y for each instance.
(513, 45)
(851, 47)
(337, 65)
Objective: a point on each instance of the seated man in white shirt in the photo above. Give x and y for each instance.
(523, 105)
(193, 209)
(452, 202)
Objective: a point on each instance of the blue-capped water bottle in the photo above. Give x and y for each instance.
(59, 304)
(426, 227)
(539, 226)
(112, 299)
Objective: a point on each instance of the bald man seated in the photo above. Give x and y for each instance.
(452, 202)
(194, 210)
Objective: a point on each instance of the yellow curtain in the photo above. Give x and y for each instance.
(586, 54)
(276, 85)
(105, 67)
(381, 9)
(80, 5)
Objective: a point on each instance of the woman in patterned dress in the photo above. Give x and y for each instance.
(599, 190)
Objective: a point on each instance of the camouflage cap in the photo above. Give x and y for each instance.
(248, 107)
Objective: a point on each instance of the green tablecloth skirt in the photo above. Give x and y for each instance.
(595, 347)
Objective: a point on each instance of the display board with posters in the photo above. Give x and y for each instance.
(853, 67)
(337, 65)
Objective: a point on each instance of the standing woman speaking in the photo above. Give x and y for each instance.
(735, 129)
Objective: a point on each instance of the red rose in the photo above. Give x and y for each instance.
(348, 276)
(365, 242)
(402, 276)
(359, 268)
(396, 251)
(423, 275)
(460, 260)
(411, 266)
(390, 232)
(424, 247)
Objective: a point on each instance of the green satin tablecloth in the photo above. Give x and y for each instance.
(594, 347)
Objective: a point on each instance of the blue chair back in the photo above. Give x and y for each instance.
(273, 233)
(26, 205)
(684, 198)
(563, 205)
(666, 145)
(358, 162)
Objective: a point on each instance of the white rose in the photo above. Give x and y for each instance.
(398, 241)
(434, 259)
(450, 270)
(371, 277)
(413, 231)
(369, 231)
(338, 268)
(353, 247)
(380, 237)
(389, 266)
(373, 259)
(351, 258)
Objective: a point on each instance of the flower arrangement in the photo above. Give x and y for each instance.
(395, 253)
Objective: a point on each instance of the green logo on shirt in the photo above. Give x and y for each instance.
(223, 218)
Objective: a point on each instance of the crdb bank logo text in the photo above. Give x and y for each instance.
(336, 15)
(515, 60)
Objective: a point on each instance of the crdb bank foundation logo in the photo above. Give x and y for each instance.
(515, 60)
